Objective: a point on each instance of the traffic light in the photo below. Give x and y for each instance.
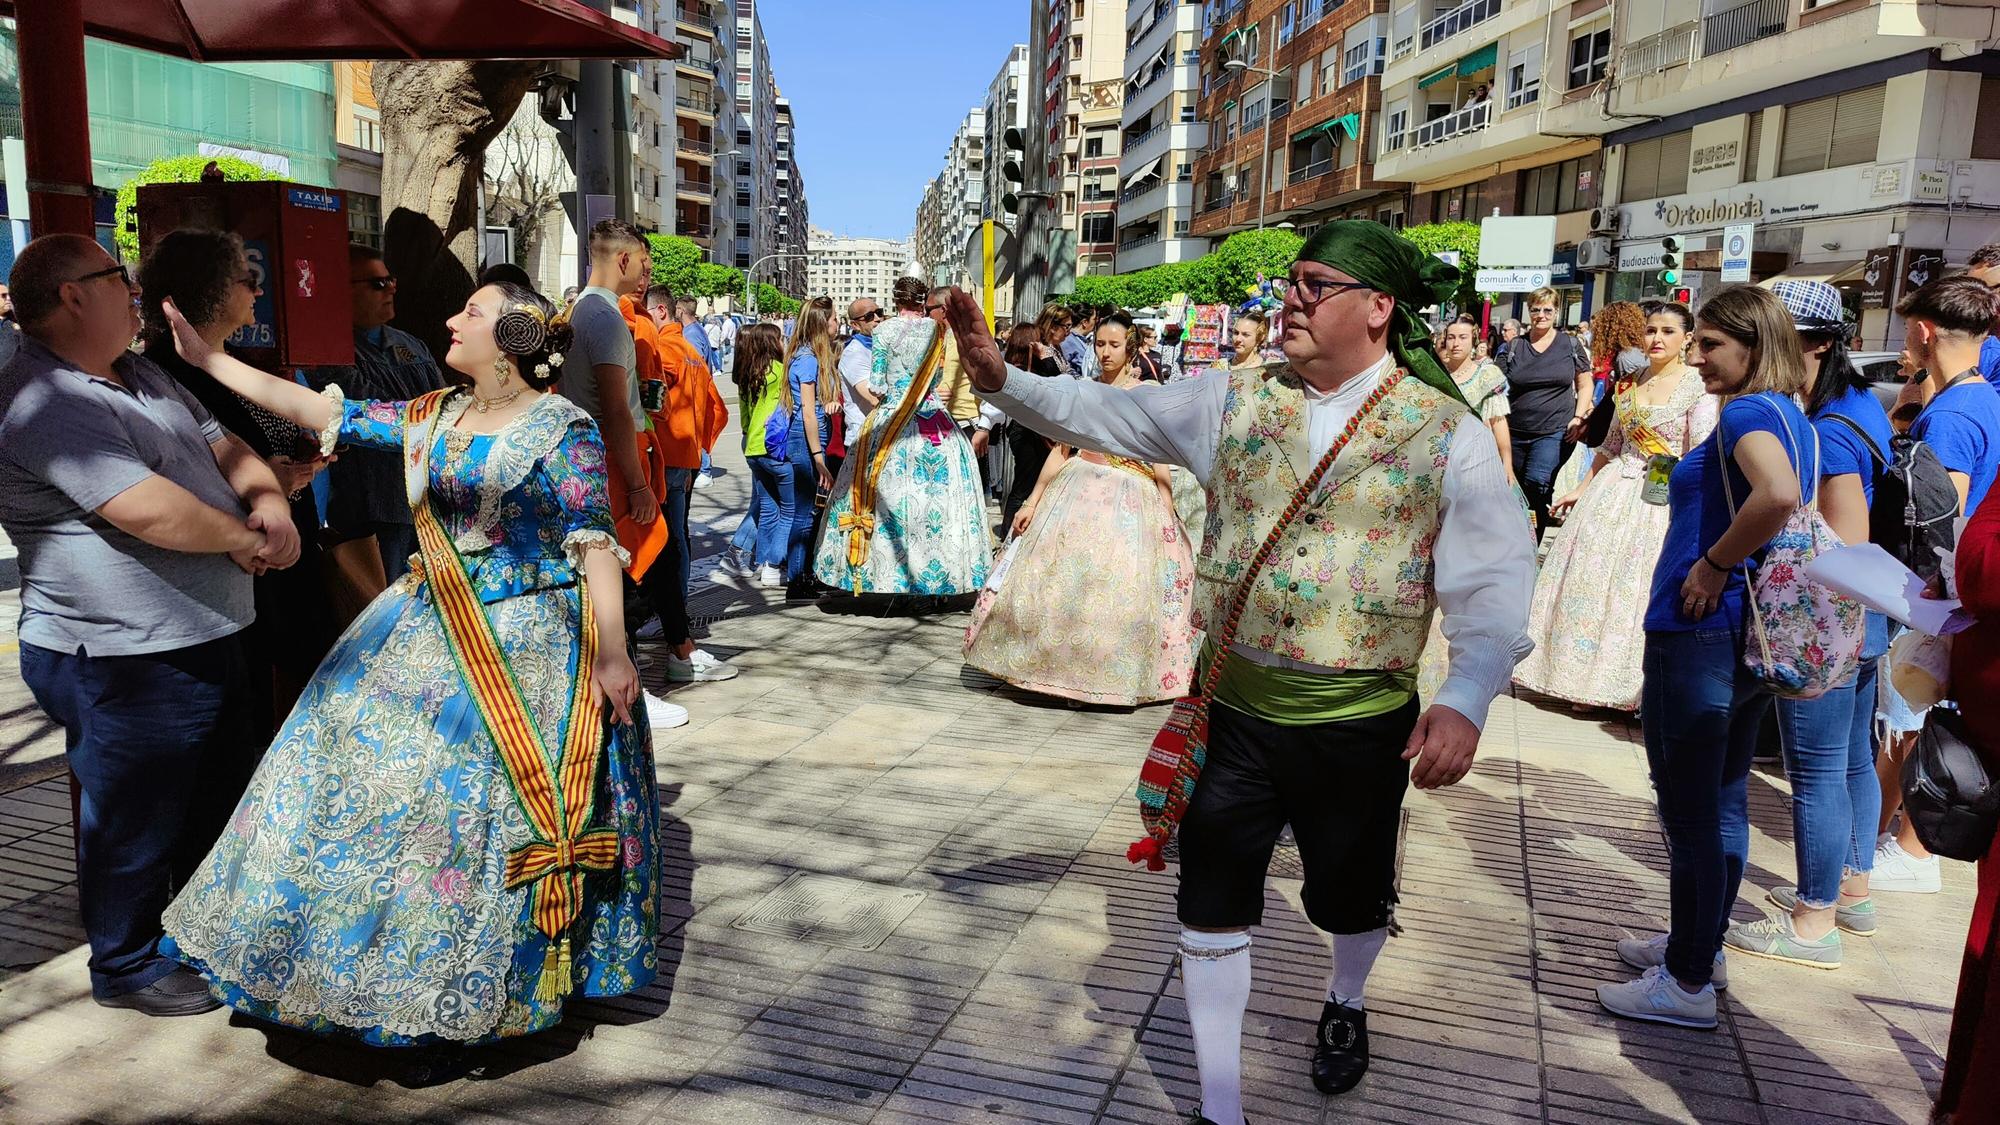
(1016, 146)
(1683, 295)
(1670, 260)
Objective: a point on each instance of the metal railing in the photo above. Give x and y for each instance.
(1661, 50)
(1142, 240)
(700, 187)
(1309, 172)
(1148, 135)
(1218, 202)
(698, 147)
(1731, 28)
(1452, 124)
(695, 230)
(695, 102)
(1466, 15)
(1150, 183)
(696, 15)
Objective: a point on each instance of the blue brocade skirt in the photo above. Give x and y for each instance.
(359, 888)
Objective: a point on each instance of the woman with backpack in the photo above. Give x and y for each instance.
(1701, 704)
(1828, 742)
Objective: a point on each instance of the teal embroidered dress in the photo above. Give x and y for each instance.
(359, 888)
(930, 518)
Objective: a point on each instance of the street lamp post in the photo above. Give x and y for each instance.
(750, 276)
(1264, 169)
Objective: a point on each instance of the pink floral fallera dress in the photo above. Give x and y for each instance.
(1590, 598)
(1093, 602)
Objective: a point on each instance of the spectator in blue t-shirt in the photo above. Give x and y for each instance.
(1700, 706)
(1985, 268)
(1946, 324)
(1829, 741)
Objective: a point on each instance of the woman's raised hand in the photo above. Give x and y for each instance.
(187, 341)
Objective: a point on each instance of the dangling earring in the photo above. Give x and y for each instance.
(501, 370)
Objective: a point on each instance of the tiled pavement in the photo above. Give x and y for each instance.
(1035, 981)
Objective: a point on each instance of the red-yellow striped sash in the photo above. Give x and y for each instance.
(556, 794)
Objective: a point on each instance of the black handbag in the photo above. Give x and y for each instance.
(1950, 800)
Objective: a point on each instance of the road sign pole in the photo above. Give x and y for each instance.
(986, 271)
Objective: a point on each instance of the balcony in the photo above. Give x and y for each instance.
(699, 103)
(694, 230)
(1309, 172)
(1731, 28)
(694, 146)
(1218, 202)
(696, 16)
(701, 189)
(1675, 46)
(1453, 124)
(1135, 243)
(1467, 15)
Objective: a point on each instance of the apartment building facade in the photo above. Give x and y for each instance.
(701, 88)
(953, 205)
(1162, 134)
(1291, 125)
(793, 231)
(1861, 138)
(754, 182)
(846, 268)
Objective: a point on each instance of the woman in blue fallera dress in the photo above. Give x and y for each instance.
(455, 829)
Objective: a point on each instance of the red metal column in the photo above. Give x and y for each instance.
(55, 115)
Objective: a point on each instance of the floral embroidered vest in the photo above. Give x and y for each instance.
(1350, 584)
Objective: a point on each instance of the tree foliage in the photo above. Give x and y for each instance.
(675, 260)
(1223, 275)
(173, 170)
(770, 299)
(1463, 238)
(1246, 254)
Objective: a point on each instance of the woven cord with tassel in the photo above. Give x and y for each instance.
(859, 522)
(1174, 763)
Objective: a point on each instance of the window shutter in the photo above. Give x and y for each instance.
(1642, 171)
(1675, 152)
(1753, 142)
(1808, 125)
(1857, 127)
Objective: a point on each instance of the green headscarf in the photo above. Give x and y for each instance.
(1380, 258)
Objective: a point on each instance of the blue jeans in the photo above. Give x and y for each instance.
(773, 508)
(744, 542)
(1829, 746)
(707, 465)
(805, 488)
(162, 747)
(1701, 709)
(1537, 460)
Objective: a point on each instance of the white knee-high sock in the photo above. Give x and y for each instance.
(1353, 958)
(1215, 969)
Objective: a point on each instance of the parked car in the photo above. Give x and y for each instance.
(1883, 370)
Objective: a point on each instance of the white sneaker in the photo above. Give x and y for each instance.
(769, 577)
(702, 480)
(1648, 953)
(1898, 870)
(651, 630)
(1657, 998)
(733, 572)
(699, 668)
(661, 715)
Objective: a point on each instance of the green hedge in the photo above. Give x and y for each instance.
(172, 170)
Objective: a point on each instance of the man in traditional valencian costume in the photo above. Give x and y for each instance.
(1350, 493)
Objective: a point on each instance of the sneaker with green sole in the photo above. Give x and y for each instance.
(1856, 918)
(1775, 938)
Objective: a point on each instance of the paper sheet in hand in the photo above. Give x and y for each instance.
(1876, 579)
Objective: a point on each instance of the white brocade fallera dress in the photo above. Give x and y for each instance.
(1093, 602)
(1590, 597)
(930, 533)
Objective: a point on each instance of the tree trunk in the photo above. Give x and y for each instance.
(437, 119)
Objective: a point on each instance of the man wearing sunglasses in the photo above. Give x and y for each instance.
(1313, 720)
(857, 356)
(140, 523)
(365, 493)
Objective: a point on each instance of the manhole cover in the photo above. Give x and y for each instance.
(826, 908)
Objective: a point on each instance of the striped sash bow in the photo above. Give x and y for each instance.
(555, 792)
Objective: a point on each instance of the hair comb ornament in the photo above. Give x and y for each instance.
(521, 330)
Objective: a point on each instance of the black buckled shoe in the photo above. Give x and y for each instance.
(1340, 1051)
(182, 992)
(1198, 1119)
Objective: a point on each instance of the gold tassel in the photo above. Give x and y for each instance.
(557, 968)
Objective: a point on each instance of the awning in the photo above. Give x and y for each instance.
(1482, 59)
(1449, 70)
(1833, 273)
(1350, 123)
(313, 30)
(1152, 169)
(1315, 129)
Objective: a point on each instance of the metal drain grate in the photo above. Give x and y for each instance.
(826, 908)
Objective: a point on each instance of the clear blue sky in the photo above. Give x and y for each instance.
(877, 90)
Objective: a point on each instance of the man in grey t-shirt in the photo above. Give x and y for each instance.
(600, 374)
(139, 522)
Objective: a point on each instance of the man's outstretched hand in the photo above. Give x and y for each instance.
(978, 352)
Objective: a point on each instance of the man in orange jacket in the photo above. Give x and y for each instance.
(686, 426)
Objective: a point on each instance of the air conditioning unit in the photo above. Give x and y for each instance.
(1594, 254)
(1604, 220)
